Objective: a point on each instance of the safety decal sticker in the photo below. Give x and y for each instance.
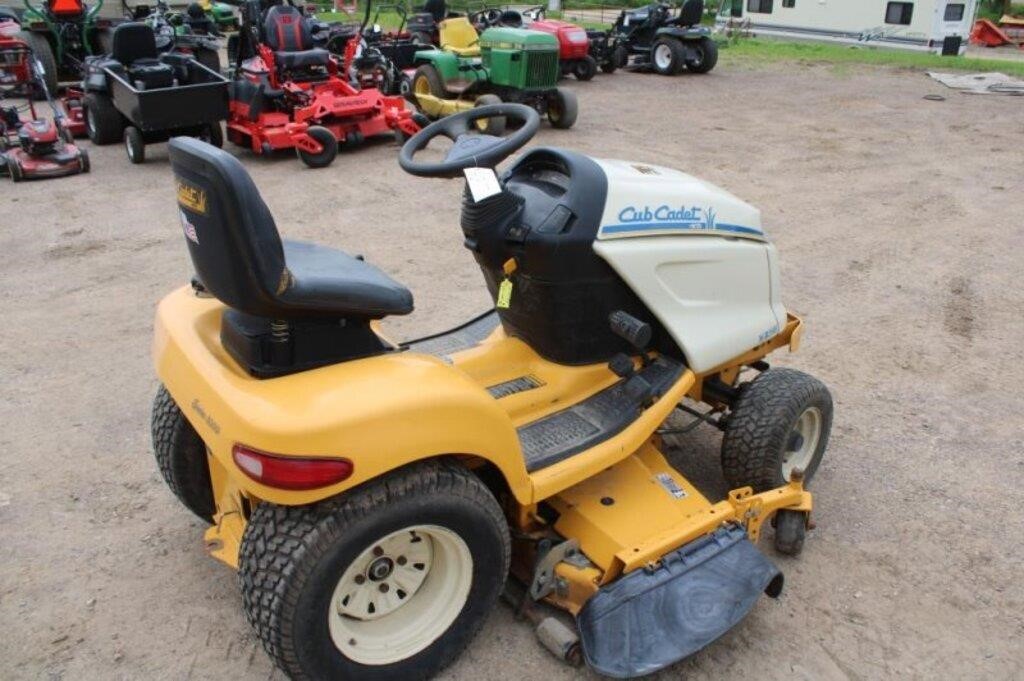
(190, 230)
(670, 485)
(192, 198)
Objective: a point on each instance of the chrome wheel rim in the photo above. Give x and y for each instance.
(400, 594)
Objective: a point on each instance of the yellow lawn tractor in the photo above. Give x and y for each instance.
(374, 496)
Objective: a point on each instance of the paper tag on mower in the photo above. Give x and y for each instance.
(482, 183)
(504, 294)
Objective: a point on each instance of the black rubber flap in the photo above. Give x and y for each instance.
(648, 620)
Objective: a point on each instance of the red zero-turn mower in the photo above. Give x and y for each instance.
(287, 93)
(33, 147)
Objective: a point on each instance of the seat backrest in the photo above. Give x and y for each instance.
(457, 32)
(691, 12)
(286, 30)
(133, 41)
(231, 236)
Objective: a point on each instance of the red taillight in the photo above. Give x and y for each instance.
(290, 472)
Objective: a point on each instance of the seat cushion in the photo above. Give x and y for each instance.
(303, 59)
(152, 73)
(326, 280)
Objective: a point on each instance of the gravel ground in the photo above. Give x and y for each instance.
(899, 226)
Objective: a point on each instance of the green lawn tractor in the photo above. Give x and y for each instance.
(499, 65)
(62, 33)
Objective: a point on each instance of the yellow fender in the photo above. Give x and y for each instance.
(381, 412)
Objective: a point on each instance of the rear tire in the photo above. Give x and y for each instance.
(14, 169)
(134, 145)
(585, 69)
(490, 126)
(667, 56)
(707, 49)
(181, 456)
(83, 161)
(41, 48)
(563, 109)
(326, 156)
(427, 80)
(103, 122)
(310, 574)
(781, 421)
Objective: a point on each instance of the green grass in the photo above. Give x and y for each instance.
(753, 49)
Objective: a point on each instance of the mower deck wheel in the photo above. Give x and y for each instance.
(41, 48)
(83, 161)
(326, 156)
(103, 122)
(790, 531)
(490, 126)
(390, 580)
(135, 144)
(585, 69)
(667, 55)
(181, 456)
(563, 109)
(780, 422)
(707, 51)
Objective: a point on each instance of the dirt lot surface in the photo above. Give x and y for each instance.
(899, 225)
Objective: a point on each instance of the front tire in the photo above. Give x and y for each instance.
(563, 109)
(705, 57)
(780, 422)
(667, 56)
(181, 456)
(326, 155)
(585, 69)
(323, 585)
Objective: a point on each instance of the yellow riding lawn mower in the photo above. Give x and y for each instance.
(375, 495)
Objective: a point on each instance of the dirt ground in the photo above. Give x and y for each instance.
(899, 225)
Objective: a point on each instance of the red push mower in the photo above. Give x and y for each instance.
(32, 147)
(288, 94)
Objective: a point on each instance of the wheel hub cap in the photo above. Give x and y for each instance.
(663, 55)
(803, 442)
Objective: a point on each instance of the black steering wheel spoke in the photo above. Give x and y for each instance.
(470, 148)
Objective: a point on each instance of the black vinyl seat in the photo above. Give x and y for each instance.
(134, 46)
(290, 36)
(690, 13)
(240, 259)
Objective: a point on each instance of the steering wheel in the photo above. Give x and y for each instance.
(486, 17)
(471, 149)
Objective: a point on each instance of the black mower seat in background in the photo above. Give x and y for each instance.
(134, 46)
(291, 38)
(240, 259)
(691, 12)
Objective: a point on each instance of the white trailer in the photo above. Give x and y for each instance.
(932, 25)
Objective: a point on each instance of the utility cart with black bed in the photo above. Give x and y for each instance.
(142, 97)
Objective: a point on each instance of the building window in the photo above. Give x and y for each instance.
(955, 12)
(736, 8)
(789, 3)
(899, 13)
(760, 6)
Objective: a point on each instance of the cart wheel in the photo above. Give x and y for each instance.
(134, 144)
(562, 109)
(83, 161)
(704, 56)
(667, 56)
(490, 126)
(181, 456)
(103, 122)
(781, 421)
(389, 581)
(214, 135)
(585, 69)
(330, 148)
(14, 168)
(790, 530)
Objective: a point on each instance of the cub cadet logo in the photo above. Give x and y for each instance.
(198, 409)
(192, 198)
(703, 218)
